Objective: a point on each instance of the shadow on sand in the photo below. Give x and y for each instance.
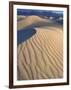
(29, 31)
(24, 34)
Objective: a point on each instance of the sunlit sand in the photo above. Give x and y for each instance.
(41, 56)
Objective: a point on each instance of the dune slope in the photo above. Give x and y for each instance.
(28, 21)
(41, 56)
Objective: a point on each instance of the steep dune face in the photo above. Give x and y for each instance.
(41, 56)
(28, 21)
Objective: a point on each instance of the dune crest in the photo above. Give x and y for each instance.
(41, 56)
(28, 21)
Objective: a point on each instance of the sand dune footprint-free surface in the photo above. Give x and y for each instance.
(39, 56)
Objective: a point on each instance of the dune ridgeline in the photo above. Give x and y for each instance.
(41, 55)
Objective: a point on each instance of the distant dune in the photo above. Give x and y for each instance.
(41, 56)
(29, 20)
(20, 17)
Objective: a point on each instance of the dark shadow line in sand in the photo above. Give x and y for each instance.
(29, 31)
(24, 34)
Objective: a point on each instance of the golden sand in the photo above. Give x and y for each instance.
(28, 21)
(41, 56)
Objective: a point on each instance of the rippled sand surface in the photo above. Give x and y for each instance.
(41, 56)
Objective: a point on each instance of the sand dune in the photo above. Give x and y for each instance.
(20, 17)
(41, 56)
(28, 21)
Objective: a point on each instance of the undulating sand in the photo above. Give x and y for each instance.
(29, 20)
(41, 56)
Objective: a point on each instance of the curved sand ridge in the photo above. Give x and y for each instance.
(28, 21)
(41, 56)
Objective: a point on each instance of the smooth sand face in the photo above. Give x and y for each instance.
(41, 56)
(28, 21)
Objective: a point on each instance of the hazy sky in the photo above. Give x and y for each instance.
(37, 12)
